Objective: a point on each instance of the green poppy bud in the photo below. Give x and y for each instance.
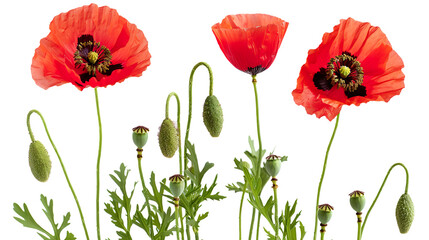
(213, 116)
(40, 163)
(324, 213)
(245, 165)
(177, 185)
(168, 138)
(404, 213)
(357, 201)
(140, 135)
(273, 165)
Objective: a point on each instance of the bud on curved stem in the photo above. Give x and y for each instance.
(61, 163)
(381, 188)
(168, 138)
(167, 105)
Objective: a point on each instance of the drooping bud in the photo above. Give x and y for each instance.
(140, 135)
(168, 138)
(40, 163)
(357, 200)
(273, 165)
(177, 185)
(404, 213)
(324, 213)
(213, 116)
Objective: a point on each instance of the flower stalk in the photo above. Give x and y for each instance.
(323, 175)
(100, 141)
(61, 163)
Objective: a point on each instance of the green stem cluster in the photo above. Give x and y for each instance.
(61, 163)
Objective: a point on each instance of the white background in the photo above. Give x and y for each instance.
(370, 138)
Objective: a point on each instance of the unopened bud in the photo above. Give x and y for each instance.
(140, 135)
(404, 213)
(168, 138)
(213, 116)
(40, 163)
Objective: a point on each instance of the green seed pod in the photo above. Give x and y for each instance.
(168, 138)
(140, 135)
(40, 163)
(213, 116)
(177, 185)
(404, 213)
(324, 213)
(273, 165)
(357, 201)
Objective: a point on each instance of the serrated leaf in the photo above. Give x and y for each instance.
(70, 236)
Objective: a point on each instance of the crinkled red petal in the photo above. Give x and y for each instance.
(382, 66)
(53, 62)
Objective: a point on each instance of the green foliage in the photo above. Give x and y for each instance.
(28, 221)
(118, 204)
(195, 194)
(161, 219)
(288, 224)
(121, 205)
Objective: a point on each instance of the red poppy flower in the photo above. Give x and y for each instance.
(90, 46)
(354, 64)
(250, 41)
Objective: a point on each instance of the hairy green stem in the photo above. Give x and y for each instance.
(251, 223)
(241, 208)
(276, 207)
(61, 163)
(323, 174)
(381, 189)
(139, 159)
(177, 223)
(100, 141)
(359, 230)
(257, 225)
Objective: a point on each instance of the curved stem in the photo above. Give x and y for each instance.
(381, 188)
(241, 208)
(178, 125)
(323, 174)
(61, 163)
(139, 158)
(100, 140)
(191, 79)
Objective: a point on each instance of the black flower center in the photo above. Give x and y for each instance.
(342, 71)
(255, 70)
(93, 58)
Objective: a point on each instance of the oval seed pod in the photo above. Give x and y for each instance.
(213, 116)
(140, 135)
(168, 138)
(357, 200)
(273, 165)
(324, 213)
(404, 213)
(40, 163)
(177, 185)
